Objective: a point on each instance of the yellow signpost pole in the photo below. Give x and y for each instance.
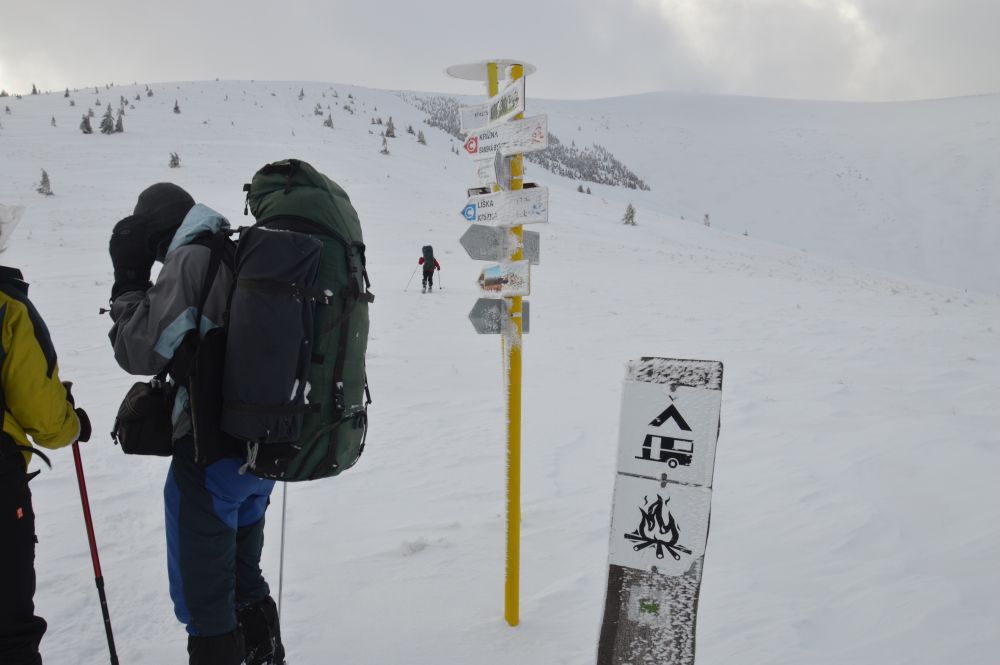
(511, 332)
(512, 352)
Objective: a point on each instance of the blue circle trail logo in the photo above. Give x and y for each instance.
(469, 212)
(652, 527)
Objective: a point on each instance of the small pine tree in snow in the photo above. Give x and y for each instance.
(44, 187)
(629, 218)
(302, 94)
(6, 110)
(4, 93)
(707, 223)
(53, 121)
(90, 113)
(318, 110)
(175, 160)
(119, 125)
(34, 90)
(85, 126)
(149, 92)
(72, 103)
(579, 188)
(66, 94)
(420, 138)
(108, 122)
(385, 147)
(588, 190)
(177, 107)
(137, 97)
(329, 121)
(390, 129)
(409, 129)
(98, 102)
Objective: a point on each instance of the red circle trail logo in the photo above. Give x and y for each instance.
(472, 145)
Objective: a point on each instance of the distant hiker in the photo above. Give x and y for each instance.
(36, 406)
(429, 263)
(214, 511)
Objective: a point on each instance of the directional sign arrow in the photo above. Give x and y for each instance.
(524, 206)
(488, 243)
(508, 103)
(488, 316)
(510, 138)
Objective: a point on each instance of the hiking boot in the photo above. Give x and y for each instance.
(225, 649)
(262, 633)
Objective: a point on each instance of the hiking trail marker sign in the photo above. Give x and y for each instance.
(659, 523)
(510, 138)
(499, 108)
(496, 136)
(488, 243)
(509, 208)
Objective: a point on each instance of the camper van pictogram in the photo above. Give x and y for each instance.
(672, 451)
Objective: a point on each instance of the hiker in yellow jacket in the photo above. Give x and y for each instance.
(37, 408)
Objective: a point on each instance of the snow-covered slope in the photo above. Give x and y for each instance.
(854, 517)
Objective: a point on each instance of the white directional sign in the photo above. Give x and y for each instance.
(488, 243)
(509, 138)
(495, 110)
(524, 206)
(505, 280)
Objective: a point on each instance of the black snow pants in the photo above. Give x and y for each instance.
(429, 278)
(20, 630)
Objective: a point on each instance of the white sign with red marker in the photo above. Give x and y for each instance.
(510, 138)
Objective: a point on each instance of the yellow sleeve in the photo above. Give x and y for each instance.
(34, 396)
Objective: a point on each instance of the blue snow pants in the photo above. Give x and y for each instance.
(215, 534)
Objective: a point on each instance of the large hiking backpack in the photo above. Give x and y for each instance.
(294, 385)
(428, 258)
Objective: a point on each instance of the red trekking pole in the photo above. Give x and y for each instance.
(98, 577)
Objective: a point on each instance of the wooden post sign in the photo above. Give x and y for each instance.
(659, 524)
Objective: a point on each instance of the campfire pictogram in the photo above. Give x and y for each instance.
(652, 527)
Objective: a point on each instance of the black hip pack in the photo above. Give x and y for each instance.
(144, 424)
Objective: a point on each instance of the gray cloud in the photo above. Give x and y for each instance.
(829, 49)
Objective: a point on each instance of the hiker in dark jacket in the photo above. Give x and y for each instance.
(36, 406)
(214, 512)
(429, 263)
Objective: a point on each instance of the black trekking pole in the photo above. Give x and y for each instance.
(98, 577)
(411, 278)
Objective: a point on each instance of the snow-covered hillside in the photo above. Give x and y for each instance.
(854, 515)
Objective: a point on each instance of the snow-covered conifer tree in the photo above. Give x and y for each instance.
(108, 122)
(44, 187)
(177, 107)
(390, 129)
(175, 160)
(119, 125)
(629, 217)
(385, 147)
(329, 121)
(420, 138)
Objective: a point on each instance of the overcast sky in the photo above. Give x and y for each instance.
(817, 49)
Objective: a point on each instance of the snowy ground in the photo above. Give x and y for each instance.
(855, 509)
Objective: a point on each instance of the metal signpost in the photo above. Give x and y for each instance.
(497, 145)
(659, 523)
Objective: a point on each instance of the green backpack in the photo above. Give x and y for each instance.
(294, 386)
(428, 252)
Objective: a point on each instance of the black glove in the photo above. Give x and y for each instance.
(68, 385)
(84, 425)
(130, 256)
